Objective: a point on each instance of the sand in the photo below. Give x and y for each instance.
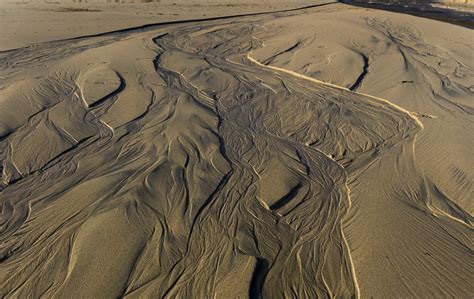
(26, 22)
(323, 152)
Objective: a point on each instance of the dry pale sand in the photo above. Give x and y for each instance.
(325, 152)
(24, 22)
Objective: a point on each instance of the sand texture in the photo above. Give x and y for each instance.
(25, 22)
(324, 152)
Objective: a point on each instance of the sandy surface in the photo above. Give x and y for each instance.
(450, 12)
(28, 22)
(315, 153)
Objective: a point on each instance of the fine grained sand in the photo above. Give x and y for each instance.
(25, 22)
(323, 152)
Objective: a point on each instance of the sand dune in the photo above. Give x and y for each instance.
(316, 153)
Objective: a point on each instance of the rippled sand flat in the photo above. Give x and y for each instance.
(323, 152)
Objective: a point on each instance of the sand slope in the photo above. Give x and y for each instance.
(27, 22)
(236, 158)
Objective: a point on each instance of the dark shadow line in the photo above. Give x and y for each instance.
(258, 278)
(361, 77)
(287, 198)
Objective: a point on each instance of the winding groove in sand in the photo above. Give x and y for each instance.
(401, 109)
(209, 177)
